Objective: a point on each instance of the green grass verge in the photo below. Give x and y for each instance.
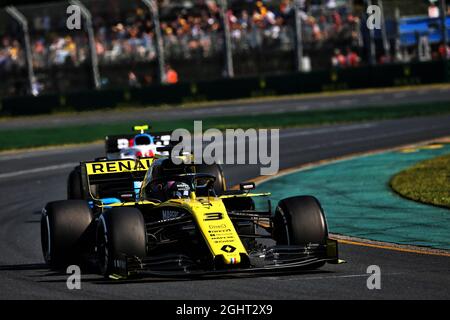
(427, 182)
(30, 138)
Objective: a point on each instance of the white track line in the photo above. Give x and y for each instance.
(285, 134)
(46, 151)
(364, 275)
(38, 170)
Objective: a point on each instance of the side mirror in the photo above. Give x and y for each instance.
(247, 186)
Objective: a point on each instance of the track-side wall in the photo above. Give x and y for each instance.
(225, 89)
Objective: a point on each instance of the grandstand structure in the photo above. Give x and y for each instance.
(133, 43)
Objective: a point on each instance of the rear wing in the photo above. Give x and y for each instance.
(116, 143)
(113, 178)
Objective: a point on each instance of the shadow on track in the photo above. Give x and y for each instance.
(22, 267)
(94, 278)
(207, 277)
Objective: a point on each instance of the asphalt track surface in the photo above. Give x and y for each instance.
(344, 100)
(30, 179)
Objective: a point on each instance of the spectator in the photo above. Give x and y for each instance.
(133, 80)
(171, 75)
(338, 60)
(36, 87)
(433, 10)
(444, 51)
(353, 59)
(189, 32)
(331, 4)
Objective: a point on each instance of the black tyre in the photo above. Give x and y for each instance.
(214, 170)
(299, 221)
(74, 185)
(120, 233)
(63, 226)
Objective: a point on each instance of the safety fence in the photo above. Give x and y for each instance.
(135, 43)
(239, 87)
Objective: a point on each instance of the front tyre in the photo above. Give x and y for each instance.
(299, 221)
(63, 225)
(120, 234)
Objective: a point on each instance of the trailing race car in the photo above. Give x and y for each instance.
(134, 146)
(124, 146)
(151, 216)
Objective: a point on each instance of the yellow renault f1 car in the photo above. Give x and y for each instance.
(150, 216)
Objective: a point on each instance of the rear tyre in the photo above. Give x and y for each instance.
(300, 221)
(63, 227)
(120, 234)
(216, 171)
(74, 185)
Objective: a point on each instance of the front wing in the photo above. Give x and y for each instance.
(278, 259)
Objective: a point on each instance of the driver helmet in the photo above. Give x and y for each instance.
(177, 189)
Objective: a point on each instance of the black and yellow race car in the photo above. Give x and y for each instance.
(150, 216)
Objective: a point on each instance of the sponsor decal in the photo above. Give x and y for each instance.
(169, 214)
(219, 226)
(119, 166)
(228, 248)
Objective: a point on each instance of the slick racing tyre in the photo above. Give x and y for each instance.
(74, 185)
(216, 171)
(300, 220)
(120, 234)
(63, 226)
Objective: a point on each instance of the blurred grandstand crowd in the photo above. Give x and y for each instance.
(192, 29)
(263, 38)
